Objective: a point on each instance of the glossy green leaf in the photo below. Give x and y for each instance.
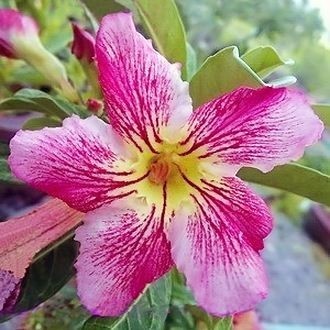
(294, 178)
(100, 8)
(220, 74)
(164, 25)
(41, 122)
(323, 111)
(264, 60)
(149, 312)
(38, 101)
(46, 276)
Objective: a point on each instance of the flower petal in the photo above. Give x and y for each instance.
(122, 250)
(77, 163)
(216, 246)
(22, 238)
(260, 128)
(143, 92)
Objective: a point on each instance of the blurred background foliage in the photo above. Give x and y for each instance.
(293, 27)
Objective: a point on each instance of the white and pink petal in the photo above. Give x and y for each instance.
(80, 162)
(143, 92)
(123, 249)
(217, 247)
(260, 128)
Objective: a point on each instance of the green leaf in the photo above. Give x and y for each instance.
(295, 178)
(5, 174)
(223, 324)
(40, 122)
(164, 25)
(283, 81)
(264, 60)
(100, 8)
(47, 275)
(323, 111)
(36, 100)
(191, 61)
(220, 74)
(149, 312)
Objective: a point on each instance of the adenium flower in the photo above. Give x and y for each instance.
(19, 39)
(158, 183)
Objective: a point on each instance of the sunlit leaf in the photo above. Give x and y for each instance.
(163, 23)
(323, 111)
(220, 74)
(264, 60)
(149, 312)
(295, 178)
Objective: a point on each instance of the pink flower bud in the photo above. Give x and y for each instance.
(83, 46)
(15, 28)
(94, 105)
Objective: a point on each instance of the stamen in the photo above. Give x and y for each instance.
(160, 170)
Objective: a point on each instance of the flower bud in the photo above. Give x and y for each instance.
(19, 39)
(83, 45)
(15, 32)
(95, 106)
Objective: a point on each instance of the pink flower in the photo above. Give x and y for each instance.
(83, 45)
(16, 31)
(158, 184)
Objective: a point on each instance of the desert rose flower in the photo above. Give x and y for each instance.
(19, 39)
(158, 184)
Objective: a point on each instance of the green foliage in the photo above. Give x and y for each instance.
(221, 73)
(38, 101)
(294, 178)
(166, 30)
(264, 60)
(51, 269)
(5, 174)
(323, 111)
(149, 312)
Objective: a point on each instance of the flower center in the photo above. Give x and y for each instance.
(160, 169)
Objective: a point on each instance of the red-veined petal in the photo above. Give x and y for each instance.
(260, 128)
(217, 246)
(143, 92)
(123, 249)
(78, 163)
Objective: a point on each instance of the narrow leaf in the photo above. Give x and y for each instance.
(164, 25)
(295, 178)
(264, 60)
(149, 312)
(323, 111)
(220, 74)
